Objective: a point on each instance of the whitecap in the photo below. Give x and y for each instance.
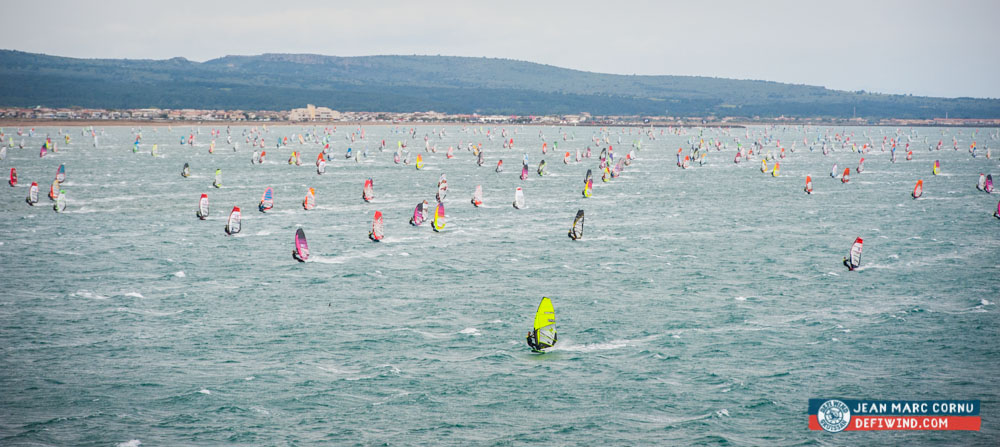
(133, 294)
(204, 391)
(985, 302)
(180, 274)
(89, 295)
(132, 443)
(469, 330)
(722, 412)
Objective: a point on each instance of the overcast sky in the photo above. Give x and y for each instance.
(935, 48)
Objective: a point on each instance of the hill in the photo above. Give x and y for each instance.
(441, 83)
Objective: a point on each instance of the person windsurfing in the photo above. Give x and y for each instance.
(543, 334)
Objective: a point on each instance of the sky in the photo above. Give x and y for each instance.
(925, 48)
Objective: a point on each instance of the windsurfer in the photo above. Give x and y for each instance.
(847, 263)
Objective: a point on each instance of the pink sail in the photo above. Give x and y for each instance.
(301, 253)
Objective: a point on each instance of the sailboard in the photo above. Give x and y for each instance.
(60, 204)
(301, 251)
(918, 189)
(234, 223)
(12, 180)
(855, 256)
(543, 334)
(186, 171)
(377, 232)
(477, 196)
(937, 167)
(576, 231)
(266, 200)
(310, 201)
(54, 190)
(32, 198)
(519, 198)
(368, 193)
(418, 215)
(439, 217)
(847, 176)
(203, 207)
(809, 185)
(61, 173)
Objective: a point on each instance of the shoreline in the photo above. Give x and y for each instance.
(8, 122)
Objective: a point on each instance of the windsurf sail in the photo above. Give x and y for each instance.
(777, 168)
(418, 215)
(12, 181)
(543, 334)
(320, 166)
(32, 198)
(420, 162)
(988, 187)
(477, 197)
(576, 231)
(937, 167)
(233, 224)
(368, 193)
(861, 165)
(981, 185)
(186, 171)
(519, 198)
(301, 252)
(855, 259)
(60, 204)
(439, 217)
(541, 168)
(481, 158)
(833, 172)
(53, 190)
(377, 232)
(310, 201)
(997, 213)
(847, 176)
(266, 200)
(763, 165)
(524, 171)
(203, 207)
(61, 173)
(499, 166)
(218, 178)
(918, 189)
(809, 185)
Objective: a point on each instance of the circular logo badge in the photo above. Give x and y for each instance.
(834, 416)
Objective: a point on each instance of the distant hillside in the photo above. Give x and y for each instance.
(440, 83)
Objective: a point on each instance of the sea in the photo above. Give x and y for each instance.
(702, 306)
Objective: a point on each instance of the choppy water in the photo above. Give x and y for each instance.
(703, 306)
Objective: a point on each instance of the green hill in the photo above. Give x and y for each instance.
(440, 83)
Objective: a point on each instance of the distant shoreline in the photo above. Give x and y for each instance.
(8, 122)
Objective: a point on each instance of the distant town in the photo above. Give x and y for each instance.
(318, 115)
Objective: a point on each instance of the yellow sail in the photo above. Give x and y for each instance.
(545, 325)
